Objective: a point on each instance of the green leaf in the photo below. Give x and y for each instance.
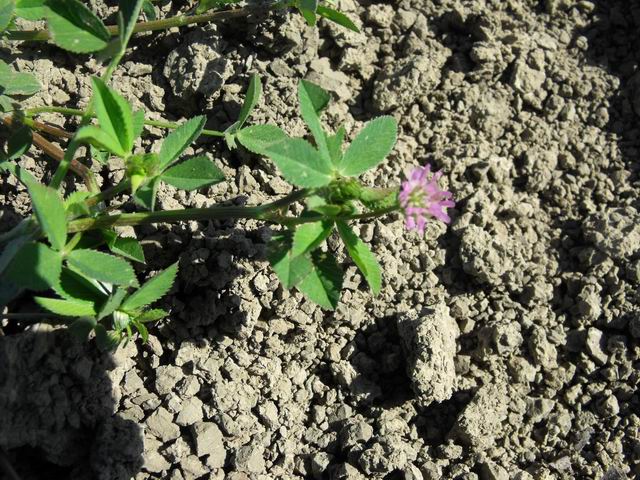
(106, 340)
(334, 143)
(152, 290)
(67, 308)
(20, 237)
(149, 10)
(178, 140)
(192, 174)
(7, 8)
(6, 103)
(299, 162)
(324, 282)
(364, 259)
(75, 27)
(310, 236)
(31, 9)
(50, 212)
(127, 247)
(151, 315)
(111, 303)
(310, 97)
(19, 142)
(20, 173)
(289, 269)
(144, 333)
(17, 83)
(114, 114)
(73, 286)
(75, 205)
(138, 123)
(337, 17)
(35, 267)
(100, 139)
(250, 100)
(82, 327)
(130, 10)
(308, 10)
(100, 155)
(145, 196)
(374, 142)
(205, 5)
(318, 96)
(102, 267)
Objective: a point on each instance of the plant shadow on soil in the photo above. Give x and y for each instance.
(614, 44)
(56, 410)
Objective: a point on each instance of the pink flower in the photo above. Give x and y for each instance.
(421, 198)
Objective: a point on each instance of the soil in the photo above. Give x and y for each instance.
(505, 346)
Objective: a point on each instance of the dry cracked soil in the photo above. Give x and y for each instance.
(505, 346)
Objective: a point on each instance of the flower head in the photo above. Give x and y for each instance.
(421, 198)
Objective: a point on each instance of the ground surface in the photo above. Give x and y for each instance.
(503, 347)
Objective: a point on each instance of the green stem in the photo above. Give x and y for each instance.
(108, 193)
(170, 216)
(80, 113)
(164, 24)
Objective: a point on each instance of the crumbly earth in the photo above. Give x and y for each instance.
(505, 346)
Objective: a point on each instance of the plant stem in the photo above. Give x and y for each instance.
(79, 113)
(171, 216)
(54, 152)
(108, 193)
(263, 212)
(164, 24)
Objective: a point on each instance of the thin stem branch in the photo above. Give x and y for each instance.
(108, 193)
(80, 113)
(57, 154)
(164, 24)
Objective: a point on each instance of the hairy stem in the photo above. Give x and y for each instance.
(80, 113)
(264, 212)
(171, 216)
(164, 24)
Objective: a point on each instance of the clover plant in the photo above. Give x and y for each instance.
(69, 254)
